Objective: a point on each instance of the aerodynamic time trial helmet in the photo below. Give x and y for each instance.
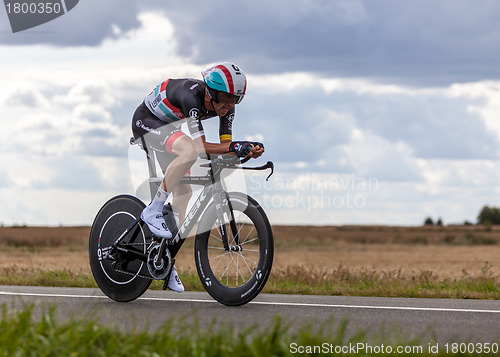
(225, 77)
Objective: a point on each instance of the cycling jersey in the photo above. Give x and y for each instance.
(183, 99)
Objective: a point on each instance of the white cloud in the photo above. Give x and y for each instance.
(374, 156)
(51, 206)
(472, 173)
(488, 95)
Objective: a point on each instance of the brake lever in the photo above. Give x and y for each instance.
(268, 165)
(271, 166)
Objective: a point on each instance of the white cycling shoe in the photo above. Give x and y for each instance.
(156, 223)
(174, 282)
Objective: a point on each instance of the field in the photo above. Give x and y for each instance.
(453, 261)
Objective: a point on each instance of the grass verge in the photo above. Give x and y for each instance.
(344, 281)
(23, 335)
(300, 280)
(38, 277)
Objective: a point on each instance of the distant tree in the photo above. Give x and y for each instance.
(489, 215)
(428, 222)
(439, 222)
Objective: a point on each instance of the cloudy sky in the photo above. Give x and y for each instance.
(374, 111)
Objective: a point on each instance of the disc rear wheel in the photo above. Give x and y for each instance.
(124, 277)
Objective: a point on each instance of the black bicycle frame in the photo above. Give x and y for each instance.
(191, 219)
(212, 189)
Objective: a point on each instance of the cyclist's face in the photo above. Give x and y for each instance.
(225, 103)
(227, 98)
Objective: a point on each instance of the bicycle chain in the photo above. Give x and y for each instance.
(130, 273)
(128, 244)
(169, 242)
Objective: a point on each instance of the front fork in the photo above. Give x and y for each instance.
(224, 208)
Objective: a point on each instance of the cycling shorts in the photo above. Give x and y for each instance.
(158, 135)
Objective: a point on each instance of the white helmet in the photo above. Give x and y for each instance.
(225, 77)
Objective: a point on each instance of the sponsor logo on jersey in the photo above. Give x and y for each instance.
(230, 119)
(141, 125)
(195, 124)
(156, 101)
(194, 113)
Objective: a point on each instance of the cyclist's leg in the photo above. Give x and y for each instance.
(156, 134)
(175, 165)
(176, 155)
(182, 146)
(181, 193)
(161, 138)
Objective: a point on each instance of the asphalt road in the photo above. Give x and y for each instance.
(447, 320)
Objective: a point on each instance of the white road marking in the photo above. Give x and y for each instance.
(408, 308)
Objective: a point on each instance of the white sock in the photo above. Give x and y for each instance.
(159, 200)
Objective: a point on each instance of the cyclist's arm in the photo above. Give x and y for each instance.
(199, 140)
(225, 133)
(202, 146)
(225, 136)
(214, 148)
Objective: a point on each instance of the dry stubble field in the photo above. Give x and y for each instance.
(445, 251)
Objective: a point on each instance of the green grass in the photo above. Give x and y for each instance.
(39, 277)
(21, 334)
(300, 280)
(343, 281)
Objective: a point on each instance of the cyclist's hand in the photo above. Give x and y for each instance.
(240, 148)
(257, 149)
(257, 144)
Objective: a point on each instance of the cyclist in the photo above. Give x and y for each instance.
(158, 120)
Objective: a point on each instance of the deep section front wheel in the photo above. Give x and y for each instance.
(235, 275)
(121, 277)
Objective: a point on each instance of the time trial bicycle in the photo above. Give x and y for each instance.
(233, 245)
